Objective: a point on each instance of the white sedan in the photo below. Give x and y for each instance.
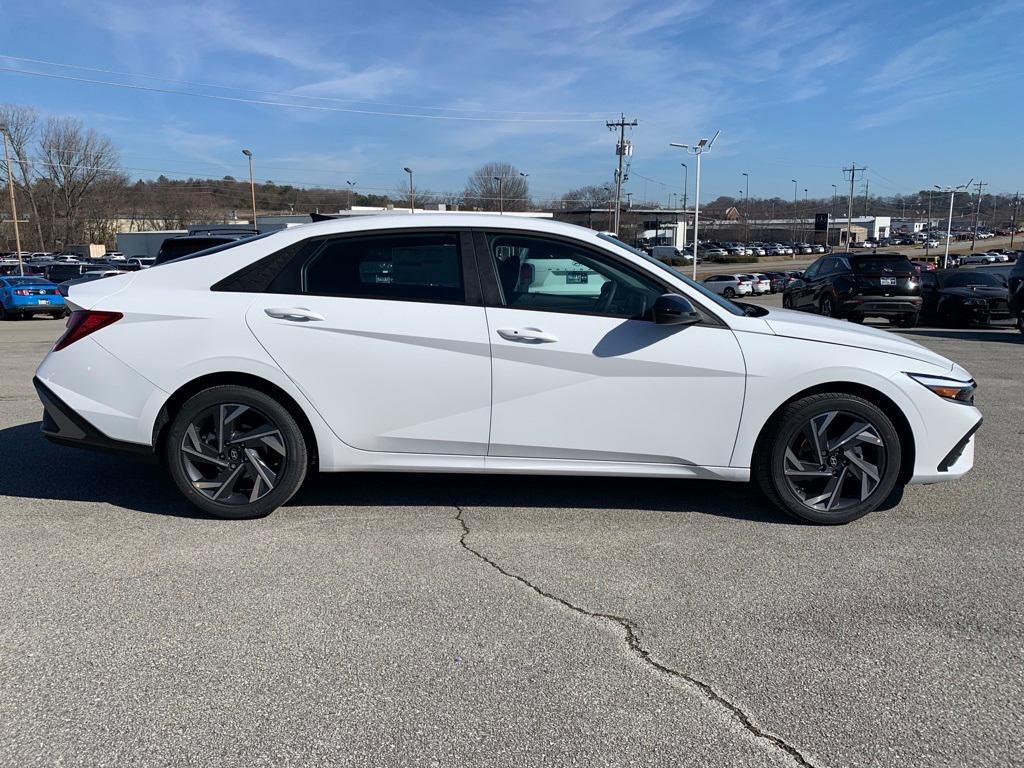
(465, 343)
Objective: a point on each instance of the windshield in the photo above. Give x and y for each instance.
(725, 304)
(972, 277)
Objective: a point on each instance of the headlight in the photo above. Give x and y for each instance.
(948, 389)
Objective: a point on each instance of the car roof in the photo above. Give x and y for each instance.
(439, 220)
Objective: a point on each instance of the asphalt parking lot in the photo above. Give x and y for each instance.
(503, 621)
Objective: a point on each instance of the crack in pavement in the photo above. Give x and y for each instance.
(632, 638)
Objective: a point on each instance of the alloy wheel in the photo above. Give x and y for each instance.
(233, 454)
(835, 461)
(826, 307)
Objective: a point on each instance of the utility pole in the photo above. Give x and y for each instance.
(1013, 219)
(852, 170)
(793, 233)
(622, 149)
(867, 187)
(977, 212)
(14, 204)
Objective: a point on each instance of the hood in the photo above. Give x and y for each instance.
(803, 325)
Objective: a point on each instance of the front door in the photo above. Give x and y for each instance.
(581, 373)
(379, 334)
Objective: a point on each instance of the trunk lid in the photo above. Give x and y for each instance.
(885, 275)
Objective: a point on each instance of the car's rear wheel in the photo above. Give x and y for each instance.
(827, 307)
(787, 301)
(235, 452)
(906, 320)
(829, 458)
(728, 293)
(856, 318)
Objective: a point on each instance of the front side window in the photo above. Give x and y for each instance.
(550, 275)
(410, 267)
(812, 271)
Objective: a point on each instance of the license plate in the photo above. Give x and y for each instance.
(888, 281)
(576, 278)
(44, 301)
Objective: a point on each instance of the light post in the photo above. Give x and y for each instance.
(525, 187)
(608, 194)
(501, 197)
(14, 204)
(351, 188)
(828, 233)
(794, 211)
(746, 203)
(698, 149)
(949, 221)
(252, 188)
(412, 199)
(686, 183)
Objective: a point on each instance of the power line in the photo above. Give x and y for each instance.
(292, 105)
(290, 94)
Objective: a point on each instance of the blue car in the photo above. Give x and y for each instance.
(22, 296)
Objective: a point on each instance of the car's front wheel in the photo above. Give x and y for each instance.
(829, 458)
(728, 293)
(235, 452)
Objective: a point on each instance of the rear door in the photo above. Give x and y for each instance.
(386, 336)
(582, 373)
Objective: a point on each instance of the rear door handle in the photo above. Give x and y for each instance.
(527, 335)
(295, 314)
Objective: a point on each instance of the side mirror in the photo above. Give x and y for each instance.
(673, 309)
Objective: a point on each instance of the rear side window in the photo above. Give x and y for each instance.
(410, 267)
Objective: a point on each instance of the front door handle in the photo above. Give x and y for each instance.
(295, 314)
(527, 335)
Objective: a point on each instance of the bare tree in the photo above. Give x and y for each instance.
(589, 196)
(22, 125)
(76, 159)
(493, 186)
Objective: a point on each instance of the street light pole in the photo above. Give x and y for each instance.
(794, 212)
(252, 189)
(828, 233)
(351, 187)
(698, 149)
(949, 221)
(412, 198)
(686, 182)
(501, 196)
(746, 205)
(14, 204)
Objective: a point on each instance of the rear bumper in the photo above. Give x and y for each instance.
(64, 426)
(35, 309)
(883, 306)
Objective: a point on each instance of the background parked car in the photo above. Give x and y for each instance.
(186, 245)
(760, 282)
(856, 286)
(962, 296)
(730, 285)
(88, 277)
(24, 296)
(979, 258)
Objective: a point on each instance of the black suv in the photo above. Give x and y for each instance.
(186, 245)
(856, 286)
(1016, 293)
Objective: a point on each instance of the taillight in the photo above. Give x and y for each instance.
(22, 292)
(83, 322)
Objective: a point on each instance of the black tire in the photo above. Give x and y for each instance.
(284, 461)
(770, 457)
(907, 320)
(827, 307)
(856, 318)
(3, 314)
(728, 293)
(1020, 321)
(787, 301)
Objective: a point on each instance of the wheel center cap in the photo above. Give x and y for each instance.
(233, 453)
(833, 460)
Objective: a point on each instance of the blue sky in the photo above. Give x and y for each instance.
(920, 92)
